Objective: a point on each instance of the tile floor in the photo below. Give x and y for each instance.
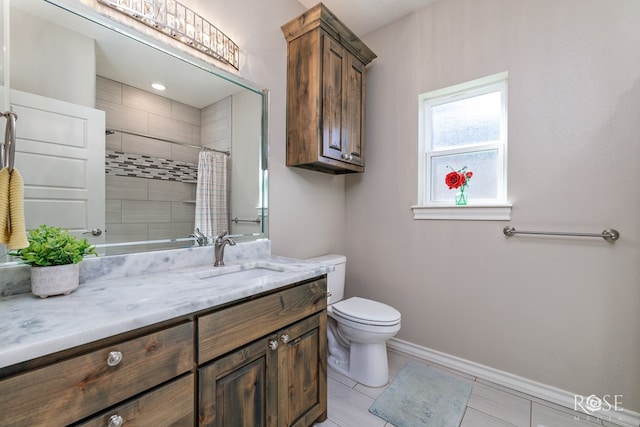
(490, 405)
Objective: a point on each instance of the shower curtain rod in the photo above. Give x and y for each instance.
(112, 131)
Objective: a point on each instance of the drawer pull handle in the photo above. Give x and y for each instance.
(273, 345)
(115, 357)
(115, 421)
(284, 338)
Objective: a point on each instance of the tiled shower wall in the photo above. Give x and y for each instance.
(145, 208)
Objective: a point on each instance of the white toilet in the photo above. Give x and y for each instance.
(357, 329)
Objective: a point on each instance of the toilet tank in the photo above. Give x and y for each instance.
(335, 279)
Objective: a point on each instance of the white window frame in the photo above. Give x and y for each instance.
(494, 209)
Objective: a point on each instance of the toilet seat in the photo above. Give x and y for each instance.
(368, 312)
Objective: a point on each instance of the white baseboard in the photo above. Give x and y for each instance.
(624, 417)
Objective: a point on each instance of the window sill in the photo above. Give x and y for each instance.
(489, 212)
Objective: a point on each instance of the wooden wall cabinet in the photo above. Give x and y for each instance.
(326, 92)
(260, 363)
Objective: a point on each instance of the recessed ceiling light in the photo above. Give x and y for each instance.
(158, 86)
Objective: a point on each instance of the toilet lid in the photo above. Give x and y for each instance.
(366, 311)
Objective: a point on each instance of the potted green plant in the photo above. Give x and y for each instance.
(54, 256)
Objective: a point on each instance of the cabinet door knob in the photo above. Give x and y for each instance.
(284, 338)
(345, 156)
(115, 357)
(273, 345)
(115, 421)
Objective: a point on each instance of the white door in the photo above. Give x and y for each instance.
(60, 155)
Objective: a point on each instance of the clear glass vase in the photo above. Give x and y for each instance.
(461, 198)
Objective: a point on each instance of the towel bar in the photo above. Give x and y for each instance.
(610, 234)
(9, 151)
(236, 220)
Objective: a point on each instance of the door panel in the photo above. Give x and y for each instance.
(60, 155)
(332, 99)
(355, 107)
(302, 379)
(237, 390)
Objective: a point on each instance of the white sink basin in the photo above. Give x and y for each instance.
(229, 278)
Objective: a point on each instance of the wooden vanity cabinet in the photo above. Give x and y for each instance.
(302, 376)
(78, 387)
(258, 362)
(169, 405)
(276, 380)
(239, 389)
(326, 91)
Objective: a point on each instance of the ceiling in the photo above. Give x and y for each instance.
(365, 16)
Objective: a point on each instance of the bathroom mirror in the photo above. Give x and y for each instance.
(104, 154)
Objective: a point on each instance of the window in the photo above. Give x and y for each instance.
(464, 126)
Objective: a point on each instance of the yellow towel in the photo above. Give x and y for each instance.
(18, 238)
(4, 205)
(12, 226)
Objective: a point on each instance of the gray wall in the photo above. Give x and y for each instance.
(560, 311)
(247, 134)
(37, 60)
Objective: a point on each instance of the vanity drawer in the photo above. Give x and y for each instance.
(230, 328)
(75, 388)
(169, 405)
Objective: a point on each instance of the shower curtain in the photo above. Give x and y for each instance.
(212, 212)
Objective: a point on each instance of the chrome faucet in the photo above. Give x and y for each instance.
(220, 243)
(201, 239)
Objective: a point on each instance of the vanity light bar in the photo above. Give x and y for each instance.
(178, 21)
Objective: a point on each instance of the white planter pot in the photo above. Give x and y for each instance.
(55, 280)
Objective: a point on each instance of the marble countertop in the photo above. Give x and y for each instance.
(31, 327)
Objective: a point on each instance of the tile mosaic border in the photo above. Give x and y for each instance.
(118, 163)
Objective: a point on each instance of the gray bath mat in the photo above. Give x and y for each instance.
(423, 396)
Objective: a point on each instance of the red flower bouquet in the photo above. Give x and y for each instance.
(459, 179)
